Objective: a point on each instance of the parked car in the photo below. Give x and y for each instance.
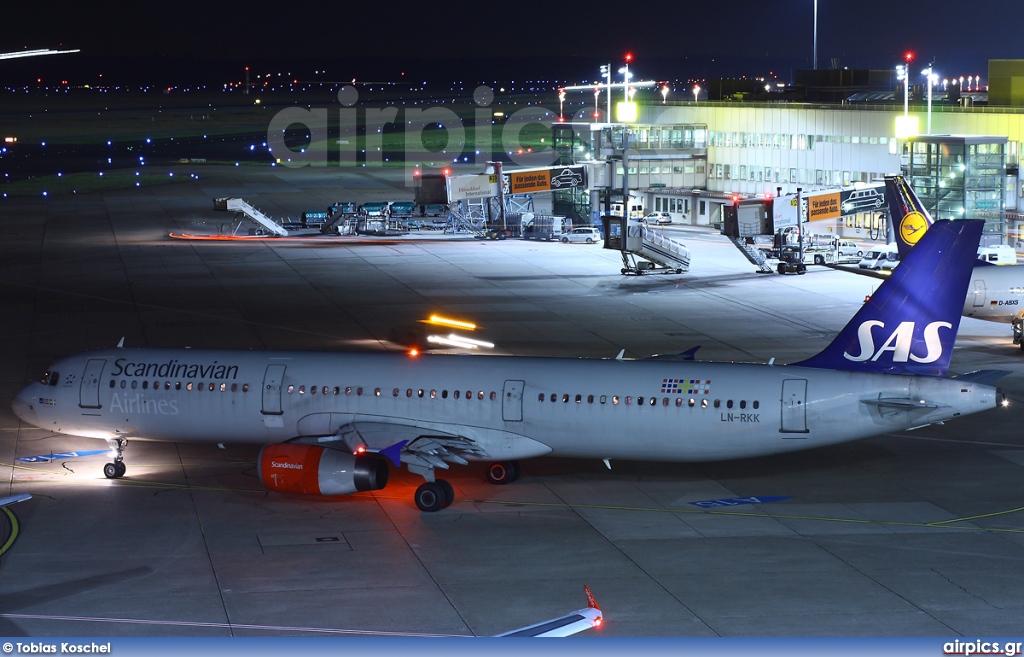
(659, 218)
(585, 235)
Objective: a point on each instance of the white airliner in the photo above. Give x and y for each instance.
(995, 292)
(330, 422)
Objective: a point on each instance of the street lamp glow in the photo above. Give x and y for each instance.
(696, 92)
(664, 94)
(904, 75)
(932, 79)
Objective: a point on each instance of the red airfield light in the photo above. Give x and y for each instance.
(909, 56)
(629, 56)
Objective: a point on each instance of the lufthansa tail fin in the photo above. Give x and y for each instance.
(909, 324)
(909, 218)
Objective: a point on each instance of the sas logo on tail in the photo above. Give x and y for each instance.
(899, 343)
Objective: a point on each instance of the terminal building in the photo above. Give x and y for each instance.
(693, 158)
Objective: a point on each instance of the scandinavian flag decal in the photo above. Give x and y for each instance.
(686, 386)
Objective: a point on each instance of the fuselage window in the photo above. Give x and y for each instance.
(419, 393)
(456, 393)
(324, 391)
(112, 383)
(743, 403)
(167, 386)
(394, 392)
(123, 383)
(245, 387)
(615, 399)
(639, 401)
(703, 403)
(433, 394)
(756, 404)
(540, 397)
(223, 387)
(359, 391)
(664, 402)
(177, 385)
(629, 400)
(691, 402)
(376, 392)
(337, 390)
(654, 401)
(494, 395)
(408, 392)
(156, 385)
(679, 401)
(212, 386)
(554, 397)
(348, 390)
(579, 398)
(728, 404)
(302, 390)
(135, 384)
(718, 403)
(590, 399)
(291, 389)
(234, 387)
(603, 399)
(565, 399)
(469, 394)
(188, 386)
(480, 395)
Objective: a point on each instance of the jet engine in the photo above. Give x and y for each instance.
(315, 470)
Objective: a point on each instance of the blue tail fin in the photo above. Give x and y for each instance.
(909, 218)
(909, 324)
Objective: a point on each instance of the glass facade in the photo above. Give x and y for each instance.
(960, 177)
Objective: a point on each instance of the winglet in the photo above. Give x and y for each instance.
(621, 354)
(120, 343)
(394, 452)
(591, 602)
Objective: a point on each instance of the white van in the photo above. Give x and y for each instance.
(998, 254)
(884, 258)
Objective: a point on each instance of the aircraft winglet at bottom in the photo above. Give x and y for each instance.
(571, 623)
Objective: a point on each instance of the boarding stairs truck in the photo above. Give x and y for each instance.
(256, 216)
(644, 249)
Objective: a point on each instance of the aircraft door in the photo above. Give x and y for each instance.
(89, 393)
(272, 390)
(512, 401)
(979, 293)
(794, 406)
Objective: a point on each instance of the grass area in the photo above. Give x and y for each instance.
(84, 183)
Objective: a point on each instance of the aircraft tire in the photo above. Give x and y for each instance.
(110, 471)
(449, 492)
(517, 469)
(121, 468)
(430, 497)
(499, 473)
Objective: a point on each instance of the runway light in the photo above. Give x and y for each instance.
(454, 323)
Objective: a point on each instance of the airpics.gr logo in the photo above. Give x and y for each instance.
(912, 227)
(898, 343)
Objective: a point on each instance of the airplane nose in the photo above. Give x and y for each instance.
(24, 408)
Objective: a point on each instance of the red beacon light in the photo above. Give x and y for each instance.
(909, 56)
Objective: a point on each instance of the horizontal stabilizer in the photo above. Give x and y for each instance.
(14, 499)
(983, 377)
(572, 623)
(902, 403)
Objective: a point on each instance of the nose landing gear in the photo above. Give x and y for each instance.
(116, 469)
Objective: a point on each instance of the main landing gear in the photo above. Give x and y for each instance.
(434, 495)
(116, 469)
(503, 472)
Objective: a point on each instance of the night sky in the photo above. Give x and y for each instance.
(669, 39)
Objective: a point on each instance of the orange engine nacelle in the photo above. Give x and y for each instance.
(314, 470)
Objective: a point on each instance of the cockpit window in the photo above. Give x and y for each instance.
(49, 379)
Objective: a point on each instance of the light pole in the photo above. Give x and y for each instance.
(903, 74)
(932, 78)
(664, 94)
(597, 94)
(561, 101)
(626, 75)
(815, 35)
(606, 72)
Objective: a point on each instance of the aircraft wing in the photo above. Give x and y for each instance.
(572, 623)
(13, 499)
(421, 447)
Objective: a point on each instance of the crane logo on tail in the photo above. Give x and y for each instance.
(912, 227)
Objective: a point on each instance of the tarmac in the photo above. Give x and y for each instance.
(913, 534)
